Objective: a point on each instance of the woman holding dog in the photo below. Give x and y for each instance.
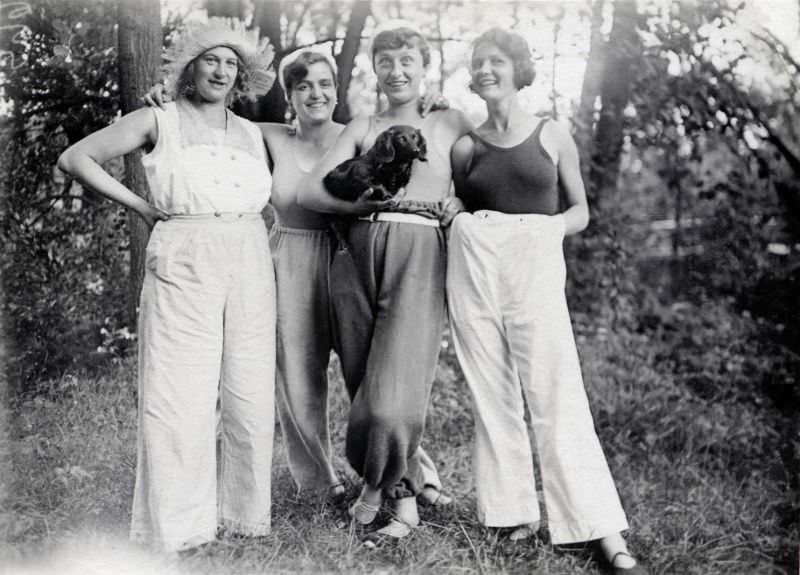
(302, 251)
(509, 317)
(387, 289)
(207, 314)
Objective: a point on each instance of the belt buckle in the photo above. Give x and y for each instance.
(372, 217)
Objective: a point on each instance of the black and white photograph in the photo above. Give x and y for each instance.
(384, 287)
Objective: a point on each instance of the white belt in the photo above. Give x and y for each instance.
(400, 217)
(215, 216)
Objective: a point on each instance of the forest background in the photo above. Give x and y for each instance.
(685, 289)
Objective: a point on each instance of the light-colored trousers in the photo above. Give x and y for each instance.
(512, 333)
(207, 333)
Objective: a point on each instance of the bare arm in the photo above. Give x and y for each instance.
(457, 125)
(83, 160)
(313, 194)
(576, 216)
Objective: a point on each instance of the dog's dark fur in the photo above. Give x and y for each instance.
(384, 168)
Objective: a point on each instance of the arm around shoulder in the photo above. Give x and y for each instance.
(459, 122)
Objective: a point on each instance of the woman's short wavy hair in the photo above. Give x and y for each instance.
(297, 71)
(516, 48)
(401, 37)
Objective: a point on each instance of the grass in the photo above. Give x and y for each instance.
(701, 480)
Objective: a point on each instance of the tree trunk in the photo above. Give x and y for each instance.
(346, 58)
(623, 46)
(139, 44)
(272, 106)
(590, 90)
(226, 8)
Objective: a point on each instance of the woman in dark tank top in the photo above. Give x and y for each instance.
(509, 316)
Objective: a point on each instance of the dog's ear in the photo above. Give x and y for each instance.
(384, 147)
(423, 146)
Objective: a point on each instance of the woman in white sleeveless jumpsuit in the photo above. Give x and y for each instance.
(207, 314)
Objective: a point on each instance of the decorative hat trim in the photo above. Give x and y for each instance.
(256, 54)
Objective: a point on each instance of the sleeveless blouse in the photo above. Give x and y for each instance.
(521, 179)
(196, 175)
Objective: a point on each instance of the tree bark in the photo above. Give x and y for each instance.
(225, 8)
(139, 45)
(346, 58)
(272, 106)
(590, 90)
(622, 49)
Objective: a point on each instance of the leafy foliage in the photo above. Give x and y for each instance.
(65, 251)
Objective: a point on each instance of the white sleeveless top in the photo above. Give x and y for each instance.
(204, 176)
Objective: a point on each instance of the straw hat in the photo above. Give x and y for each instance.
(256, 54)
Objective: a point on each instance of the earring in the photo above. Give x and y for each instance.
(188, 90)
(291, 118)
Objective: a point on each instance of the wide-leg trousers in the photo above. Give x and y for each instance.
(388, 296)
(207, 335)
(513, 337)
(302, 261)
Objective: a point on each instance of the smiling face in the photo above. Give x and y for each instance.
(314, 96)
(214, 73)
(492, 72)
(400, 72)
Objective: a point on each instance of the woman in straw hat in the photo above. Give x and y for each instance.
(207, 314)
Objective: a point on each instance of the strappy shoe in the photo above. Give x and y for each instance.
(363, 512)
(432, 496)
(389, 534)
(636, 569)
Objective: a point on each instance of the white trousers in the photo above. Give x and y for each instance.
(513, 336)
(207, 335)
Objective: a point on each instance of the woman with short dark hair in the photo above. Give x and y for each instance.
(509, 316)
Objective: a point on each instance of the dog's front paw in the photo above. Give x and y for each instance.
(378, 193)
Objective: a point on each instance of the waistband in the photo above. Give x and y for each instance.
(506, 217)
(400, 217)
(215, 217)
(279, 229)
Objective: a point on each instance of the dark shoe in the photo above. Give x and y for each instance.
(637, 569)
(336, 493)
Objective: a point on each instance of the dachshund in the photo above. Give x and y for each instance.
(380, 172)
(384, 168)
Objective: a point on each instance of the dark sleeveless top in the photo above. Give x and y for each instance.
(521, 179)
